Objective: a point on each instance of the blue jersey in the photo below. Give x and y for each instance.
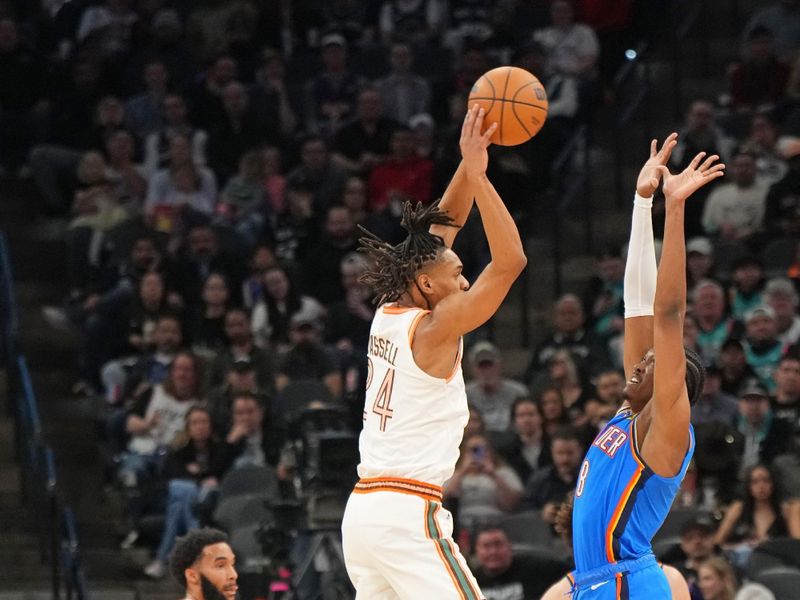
(620, 503)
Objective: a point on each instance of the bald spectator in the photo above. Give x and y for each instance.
(489, 392)
(569, 333)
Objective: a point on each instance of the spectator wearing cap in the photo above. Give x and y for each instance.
(786, 395)
(318, 172)
(708, 308)
(734, 370)
(765, 436)
(490, 392)
(696, 546)
(241, 347)
(403, 92)
(322, 265)
(404, 175)
(781, 296)
(714, 405)
(502, 575)
(747, 283)
(330, 97)
(762, 348)
(734, 210)
(362, 144)
(783, 200)
(699, 261)
(307, 358)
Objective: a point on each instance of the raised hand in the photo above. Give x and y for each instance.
(474, 144)
(679, 187)
(649, 176)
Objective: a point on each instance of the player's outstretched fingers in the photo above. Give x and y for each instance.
(477, 124)
(708, 162)
(487, 136)
(696, 161)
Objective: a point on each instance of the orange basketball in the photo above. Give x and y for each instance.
(515, 100)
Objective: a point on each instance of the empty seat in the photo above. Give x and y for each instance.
(778, 255)
(527, 530)
(249, 480)
(784, 582)
(677, 518)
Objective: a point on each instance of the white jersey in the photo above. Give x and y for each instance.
(413, 422)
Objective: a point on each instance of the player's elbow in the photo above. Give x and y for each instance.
(670, 312)
(517, 263)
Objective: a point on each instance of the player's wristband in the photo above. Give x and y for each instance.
(643, 202)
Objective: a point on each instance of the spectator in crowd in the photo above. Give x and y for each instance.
(734, 369)
(696, 546)
(468, 22)
(403, 93)
(239, 378)
(262, 258)
(383, 224)
(600, 408)
(529, 451)
(602, 299)
(485, 486)
(786, 396)
(349, 320)
(321, 268)
(330, 97)
(759, 516)
(403, 176)
(788, 467)
(203, 564)
(206, 328)
(274, 180)
(241, 346)
(503, 576)
(202, 256)
(714, 405)
(143, 111)
(691, 333)
(762, 349)
(491, 393)
(270, 96)
(765, 437)
(572, 48)
(414, 22)
(238, 131)
(318, 172)
(106, 29)
(734, 210)
(782, 19)
(759, 79)
(157, 417)
(252, 440)
(716, 579)
(781, 296)
(192, 470)
(475, 424)
(783, 201)
(699, 261)
(241, 206)
(271, 316)
(206, 96)
(569, 333)
(307, 358)
(293, 229)
(562, 373)
(361, 145)
(164, 42)
(708, 308)
(763, 143)
(548, 487)
(551, 405)
(747, 282)
(179, 188)
(128, 178)
(157, 147)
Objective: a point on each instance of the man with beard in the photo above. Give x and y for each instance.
(203, 563)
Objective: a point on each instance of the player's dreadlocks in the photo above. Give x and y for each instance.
(396, 266)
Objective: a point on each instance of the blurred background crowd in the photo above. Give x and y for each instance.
(207, 164)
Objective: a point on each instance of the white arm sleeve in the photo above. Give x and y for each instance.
(640, 267)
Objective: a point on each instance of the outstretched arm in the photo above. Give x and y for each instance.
(668, 435)
(640, 266)
(457, 202)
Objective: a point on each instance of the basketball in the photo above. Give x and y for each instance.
(515, 100)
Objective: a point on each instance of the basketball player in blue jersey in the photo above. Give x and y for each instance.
(397, 538)
(634, 467)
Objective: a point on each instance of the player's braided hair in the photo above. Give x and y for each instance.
(695, 375)
(394, 267)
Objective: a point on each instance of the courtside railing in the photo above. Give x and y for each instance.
(58, 538)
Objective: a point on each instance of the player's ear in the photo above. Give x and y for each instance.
(425, 284)
(192, 576)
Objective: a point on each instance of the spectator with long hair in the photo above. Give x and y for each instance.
(193, 468)
(551, 405)
(716, 579)
(207, 325)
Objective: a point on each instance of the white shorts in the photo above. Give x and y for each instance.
(398, 544)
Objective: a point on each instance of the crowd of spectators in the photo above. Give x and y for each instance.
(212, 161)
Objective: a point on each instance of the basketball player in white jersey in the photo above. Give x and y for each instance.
(397, 538)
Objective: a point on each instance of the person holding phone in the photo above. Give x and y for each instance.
(484, 484)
